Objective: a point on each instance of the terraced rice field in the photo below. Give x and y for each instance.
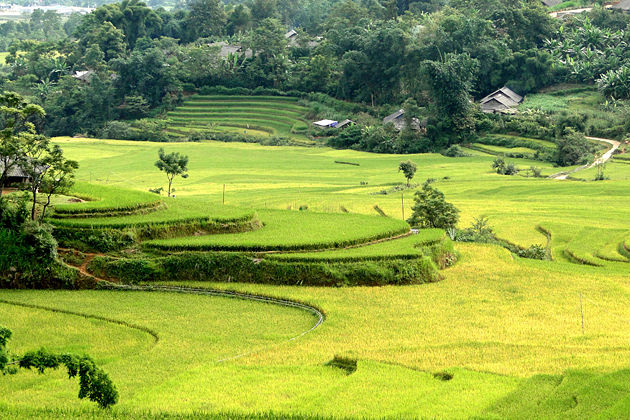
(507, 329)
(291, 230)
(590, 246)
(407, 247)
(249, 115)
(171, 211)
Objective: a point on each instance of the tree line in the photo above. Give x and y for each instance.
(434, 56)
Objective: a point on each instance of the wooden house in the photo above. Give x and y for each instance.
(503, 100)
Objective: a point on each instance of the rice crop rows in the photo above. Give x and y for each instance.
(174, 211)
(499, 150)
(292, 230)
(104, 200)
(403, 248)
(276, 114)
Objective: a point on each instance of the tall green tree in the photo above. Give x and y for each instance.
(408, 168)
(270, 63)
(450, 82)
(206, 18)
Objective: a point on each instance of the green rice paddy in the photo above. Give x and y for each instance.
(249, 115)
(172, 211)
(289, 230)
(408, 247)
(510, 331)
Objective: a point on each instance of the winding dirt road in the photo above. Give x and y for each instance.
(602, 159)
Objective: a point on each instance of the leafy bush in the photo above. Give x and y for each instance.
(229, 267)
(349, 365)
(347, 138)
(455, 151)
(28, 255)
(573, 149)
(39, 241)
(299, 127)
(502, 168)
(536, 252)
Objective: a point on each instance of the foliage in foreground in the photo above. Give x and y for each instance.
(28, 255)
(94, 383)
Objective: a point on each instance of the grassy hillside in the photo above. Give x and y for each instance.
(492, 323)
(508, 330)
(248, 115)
(291, 177)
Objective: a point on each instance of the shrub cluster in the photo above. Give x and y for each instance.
(481, 232)
(236, 267)
(28, 255)
(259, 91)
(229, 137)
(139, 130)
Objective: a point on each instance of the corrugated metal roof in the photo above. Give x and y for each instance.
(504, 92)
(326, 123)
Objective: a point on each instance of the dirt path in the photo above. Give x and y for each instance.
(602, 159)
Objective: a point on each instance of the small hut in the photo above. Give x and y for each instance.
(501, 101)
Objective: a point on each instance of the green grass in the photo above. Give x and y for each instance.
(524, 140)
(588, 245)
(603, 119)
(289, 177)
(491, 313)
(509, 329)
(407, 247)
(174, 211)
(104, 200)
(190, 340)
(289, 230)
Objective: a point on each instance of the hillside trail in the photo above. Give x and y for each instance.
(602, 159)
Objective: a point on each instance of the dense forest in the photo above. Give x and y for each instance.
(363, 59)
